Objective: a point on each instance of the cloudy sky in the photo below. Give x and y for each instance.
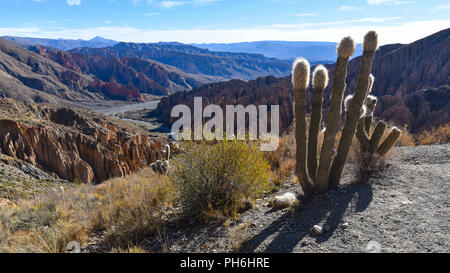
(196, 21)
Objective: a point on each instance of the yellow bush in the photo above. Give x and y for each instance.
(218, 177)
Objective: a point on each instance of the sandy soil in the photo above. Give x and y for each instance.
(404, 208)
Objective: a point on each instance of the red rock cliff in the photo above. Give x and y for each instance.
(76, 147)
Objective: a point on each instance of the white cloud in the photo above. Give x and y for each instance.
(331, 31)
(443, 7)
(305, 14)
(348, 8)
(335, 23)
(171, 4)
(151, 14)
(394, 2)
(174, 3)
(73, 2)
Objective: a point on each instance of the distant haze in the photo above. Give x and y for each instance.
(64, 44)
(313, 51)
(316, 52)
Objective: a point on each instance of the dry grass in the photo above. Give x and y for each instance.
(282, 161)
(435, 135)
(124, 211)
(240, 235)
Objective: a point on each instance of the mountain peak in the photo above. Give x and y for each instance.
(98, 39)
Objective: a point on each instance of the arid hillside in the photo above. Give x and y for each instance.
(27, 76)
(195, 60)
(141, 75)
(74, 145)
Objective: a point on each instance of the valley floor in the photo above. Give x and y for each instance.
(405, 208)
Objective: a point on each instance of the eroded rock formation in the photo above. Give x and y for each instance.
(77, 147)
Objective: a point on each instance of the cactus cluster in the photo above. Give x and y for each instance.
(320, 173)
(370, 143)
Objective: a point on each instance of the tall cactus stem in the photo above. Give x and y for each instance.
(368, 124)
(320, 82)
(376, 136)
(300, 81)
(362, 135)
(371, 103)
(345, 49)
(353, 116)
(389, 142)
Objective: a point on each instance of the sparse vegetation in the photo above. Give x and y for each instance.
(219, 177)
(282, 160)
(122, 212)
(434, 135)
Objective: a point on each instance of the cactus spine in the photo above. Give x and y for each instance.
(354, 113)
(320, 82)
(300, 81)
(346, 49)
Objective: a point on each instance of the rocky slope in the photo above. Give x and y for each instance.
(27, 76)
(43, 74)
(139, 75)
(74, 145)
(411, 83)
(403, 208)
(262, 91)
(401, 70)
(195, 60)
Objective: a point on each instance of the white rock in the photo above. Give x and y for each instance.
(317, 230)
(286, 200)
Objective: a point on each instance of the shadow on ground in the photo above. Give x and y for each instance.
(324, 210)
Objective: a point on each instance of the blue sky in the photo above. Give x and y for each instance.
(224, 20)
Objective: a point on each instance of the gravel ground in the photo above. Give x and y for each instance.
(404, 208)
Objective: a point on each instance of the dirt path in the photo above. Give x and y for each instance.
(403, 209)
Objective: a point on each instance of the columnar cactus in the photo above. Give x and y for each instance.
(345, 50)
(389, 142)
(320, 82)
(300, 80)
(318, 175)
(354, 113)
(370, 144)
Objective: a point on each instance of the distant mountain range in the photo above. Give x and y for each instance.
(412, 83)
(43, 74)
(316, 52)
(196, 60)
(64, 44)
(123, 71)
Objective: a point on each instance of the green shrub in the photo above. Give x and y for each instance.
(219, 177)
